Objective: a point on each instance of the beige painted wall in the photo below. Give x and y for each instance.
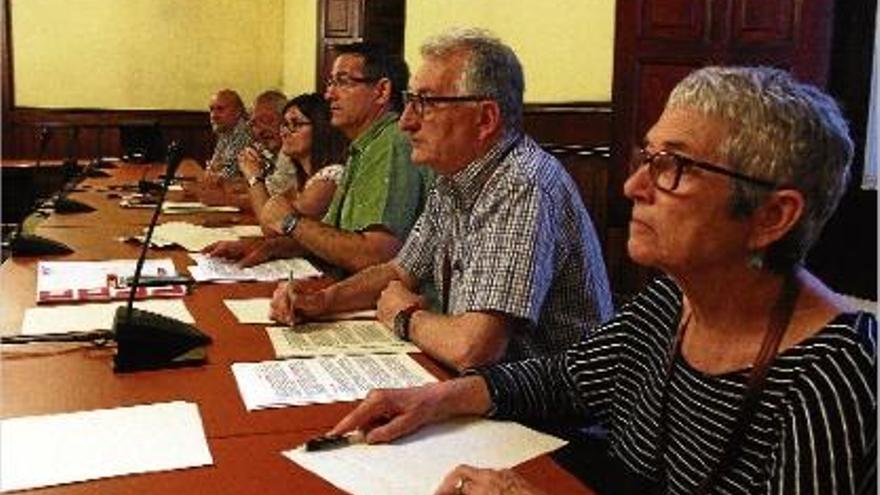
(566, 47)
(143, 54)
(173, 54)
(300, 46)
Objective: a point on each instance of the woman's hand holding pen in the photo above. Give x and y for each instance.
(388, 414)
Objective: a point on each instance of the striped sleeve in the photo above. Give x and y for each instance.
(586, 377)
(830, 426)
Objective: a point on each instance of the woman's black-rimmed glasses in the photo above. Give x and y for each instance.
(666, 168)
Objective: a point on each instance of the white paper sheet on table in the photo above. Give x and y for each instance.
(193, 237)
(94, 316)
(321, 380)
(336, 337)
(186, 207)
(416, 464)
(208, 268)
(255, 311)
(247, 230)
(65, 448)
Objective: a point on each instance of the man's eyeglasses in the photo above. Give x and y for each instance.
(294, 126)
(665, 169)
(346, 81)
(420, 102)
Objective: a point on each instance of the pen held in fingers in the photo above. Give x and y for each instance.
(329, 442)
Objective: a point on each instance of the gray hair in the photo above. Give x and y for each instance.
(780, 130)
(233, 97)
(273, 98)
(492, 68)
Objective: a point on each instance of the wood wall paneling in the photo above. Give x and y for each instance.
(87, 133)
(657, 42)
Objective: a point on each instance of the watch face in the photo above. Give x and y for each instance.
(289, 223)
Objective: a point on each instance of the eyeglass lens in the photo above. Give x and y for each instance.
(663, 168)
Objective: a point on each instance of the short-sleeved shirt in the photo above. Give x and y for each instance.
(380, 186)
(519, 241)
(284, 176)
(229, 145)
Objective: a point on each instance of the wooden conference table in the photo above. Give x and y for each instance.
(246, 446)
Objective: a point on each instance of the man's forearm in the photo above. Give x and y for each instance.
(362, 289)
(352, 251)
(461, 341)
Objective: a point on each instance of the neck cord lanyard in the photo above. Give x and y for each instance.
(780, 317)
(446, 268)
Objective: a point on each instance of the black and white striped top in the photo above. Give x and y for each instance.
(810, 432)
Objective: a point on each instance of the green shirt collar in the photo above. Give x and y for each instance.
(372, 132)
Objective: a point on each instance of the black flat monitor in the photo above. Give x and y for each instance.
(142, 141)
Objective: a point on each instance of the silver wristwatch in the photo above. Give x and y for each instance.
(254, 179)
(288, 224)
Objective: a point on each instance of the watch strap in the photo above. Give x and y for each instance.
(402, 320)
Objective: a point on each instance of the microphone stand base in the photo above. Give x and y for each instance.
(65, 205)
(34, 245)
(150, 341)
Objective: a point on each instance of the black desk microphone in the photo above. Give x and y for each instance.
(148, 340)
(22, 244)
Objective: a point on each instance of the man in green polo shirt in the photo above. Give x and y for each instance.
(381, 193)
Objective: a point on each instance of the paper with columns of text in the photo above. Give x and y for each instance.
(336, 337)
(65, 448)
(321, 380)
(417, 463)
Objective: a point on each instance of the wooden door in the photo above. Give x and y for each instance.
(658, 42)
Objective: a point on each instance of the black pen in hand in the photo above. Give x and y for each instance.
(329, 442)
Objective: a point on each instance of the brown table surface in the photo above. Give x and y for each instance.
(246, 446)
(103, 194)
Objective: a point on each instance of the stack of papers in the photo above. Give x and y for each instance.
(322, 380)
(417, 463)
(64, 448)
(209, 269)
(138, 200)
(337, 337)
(73, 281)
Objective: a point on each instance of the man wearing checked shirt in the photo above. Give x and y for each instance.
(504, 236)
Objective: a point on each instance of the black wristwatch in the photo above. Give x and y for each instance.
(288, 224)
(402, 319)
